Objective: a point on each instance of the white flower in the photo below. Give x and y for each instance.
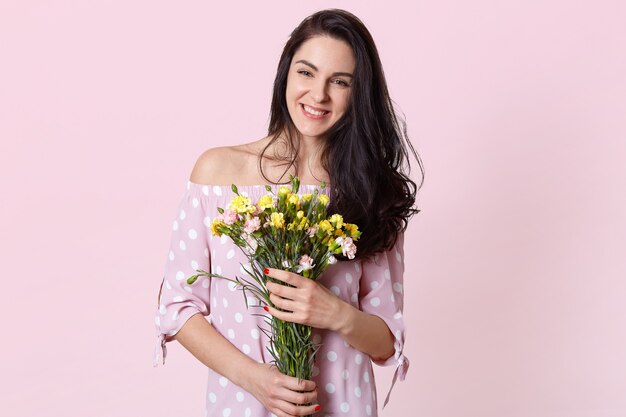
(306, 263)
(332, 260)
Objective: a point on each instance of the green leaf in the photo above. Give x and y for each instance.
(234, 188)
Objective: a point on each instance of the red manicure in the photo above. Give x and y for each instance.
(266, 309)
(266, 271)
(318, 407)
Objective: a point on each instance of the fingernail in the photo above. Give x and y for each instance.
(318, 407)
(266, 271)
(266, 309)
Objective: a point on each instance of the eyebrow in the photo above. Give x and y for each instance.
(305, 62)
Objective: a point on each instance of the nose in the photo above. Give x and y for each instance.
(318, 91)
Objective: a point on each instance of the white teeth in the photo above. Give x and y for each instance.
(314, 112)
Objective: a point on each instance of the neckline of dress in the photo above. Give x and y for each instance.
(251, 185)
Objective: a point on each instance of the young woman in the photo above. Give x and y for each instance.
(331, 120)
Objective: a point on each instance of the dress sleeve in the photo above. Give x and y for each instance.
(188, 251)
(382, 294)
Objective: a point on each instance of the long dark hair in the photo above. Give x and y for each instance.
(367, 152)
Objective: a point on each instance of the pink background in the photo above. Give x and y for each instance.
(515, 283)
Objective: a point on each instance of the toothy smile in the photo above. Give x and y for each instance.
(314, 112)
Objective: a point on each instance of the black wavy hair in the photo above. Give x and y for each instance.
(366, 153)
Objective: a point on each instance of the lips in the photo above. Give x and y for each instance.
(314, 116)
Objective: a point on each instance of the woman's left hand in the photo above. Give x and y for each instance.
(307, 302)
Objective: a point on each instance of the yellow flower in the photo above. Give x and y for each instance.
(306, 197)
(337, 220)
(240, 204)
(283, 190)
(215, 225)
(323, 198)
(267, 201)
(277, 220)
(293, 199)
(352, 229)
(326, 226)
(300, 214)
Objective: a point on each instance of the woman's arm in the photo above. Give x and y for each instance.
(310, 303)
(277, 392)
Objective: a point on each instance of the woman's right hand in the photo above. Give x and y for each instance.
(280, 393)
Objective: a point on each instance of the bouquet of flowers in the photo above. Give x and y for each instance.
(291, 232)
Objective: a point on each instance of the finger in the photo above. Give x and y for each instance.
(299, 398)
(284, 276)
(296, 384)
(283, 303)
(282, 290)
(297, 410)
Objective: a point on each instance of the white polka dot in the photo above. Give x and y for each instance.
(195, 202)
(398, 257)
(335, 290)
(358, 358)
(357, 392)
(354, 298)
(171, 256)
(357, 266)
(317, 339)
(392, 298)
(397, 316)
(223, 381)
(366, 376)
(182, 215)
(345, 407)
(206, 252)
(387, 274)
(182, 245)
(374, 285)
(397, 287)
(175, 225)
(330, 388)
(168, 285)
(157, 321)
(207, 221)
(217, 190)
(238, 317)
(218, 269)
(368, 410)
(345, 374)
(232, 285)
(175, 315)
(332, 356)
(178, 299)
(231, 334)
(226, 412)
(248, 412)
(194, 265)
(212, 397)
(188, 289)
(315, 371)
(180, 275)
(162, 309)
(230, 254)
(255, 333)
(246, 349)
(398, 335)
(205, 283)
(221, 319)
(223, 239)
(239, 396)
(349, 278)
(192, 234)
(225, 302)
(375, 301)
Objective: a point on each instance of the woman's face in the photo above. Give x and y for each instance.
(319, 81)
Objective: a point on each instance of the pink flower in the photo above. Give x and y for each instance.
(252, 243)
(306, 263)
(348, 248)
(311, 231)
(252, 225)
(229, 216)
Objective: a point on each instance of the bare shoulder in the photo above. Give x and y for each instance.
(226, 165)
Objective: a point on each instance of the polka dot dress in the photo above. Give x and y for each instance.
(343, 374)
